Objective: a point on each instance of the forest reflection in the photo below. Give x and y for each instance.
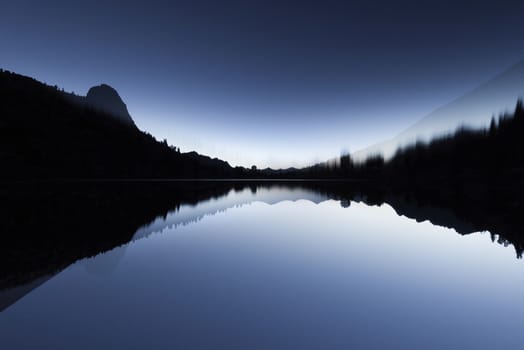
(48, 227)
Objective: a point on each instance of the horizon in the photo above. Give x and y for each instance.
(291, 174)
(255, 84)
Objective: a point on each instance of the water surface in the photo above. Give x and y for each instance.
(279, 268)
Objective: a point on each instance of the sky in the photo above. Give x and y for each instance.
(266, 83)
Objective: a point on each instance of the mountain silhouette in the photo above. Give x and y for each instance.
(473, 109)
(46, 133)
(55, 234)
(106, 99)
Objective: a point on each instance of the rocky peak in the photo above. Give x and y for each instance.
(104, 98)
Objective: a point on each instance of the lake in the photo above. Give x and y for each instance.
(261, 266)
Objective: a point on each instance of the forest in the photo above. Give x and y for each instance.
(46, 135)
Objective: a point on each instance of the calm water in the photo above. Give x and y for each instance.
(280, 268)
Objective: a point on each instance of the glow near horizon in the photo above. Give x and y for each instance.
(237, 149)
(260, 140)
(300, 147)
(231, 80)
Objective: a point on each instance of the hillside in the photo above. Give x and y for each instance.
(474, 109)
(46, 133)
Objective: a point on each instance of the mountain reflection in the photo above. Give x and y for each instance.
(48, 227)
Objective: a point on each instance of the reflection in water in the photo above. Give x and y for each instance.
(69, 221)
(104, 264)
(11, 295)
(289, 265)
(189, 213)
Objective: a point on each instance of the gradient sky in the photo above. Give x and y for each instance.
(271, 83)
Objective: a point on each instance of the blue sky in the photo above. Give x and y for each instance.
(271, 83)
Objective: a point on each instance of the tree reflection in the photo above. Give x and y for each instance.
(48, 227)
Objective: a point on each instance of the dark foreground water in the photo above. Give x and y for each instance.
(277, 268)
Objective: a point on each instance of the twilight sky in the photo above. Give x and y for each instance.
(271, 83)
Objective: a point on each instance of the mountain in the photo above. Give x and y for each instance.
(47, 133)
(474, 109)
(107, 99)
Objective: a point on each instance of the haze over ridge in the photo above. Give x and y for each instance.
(474, 109)
(266, 83)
